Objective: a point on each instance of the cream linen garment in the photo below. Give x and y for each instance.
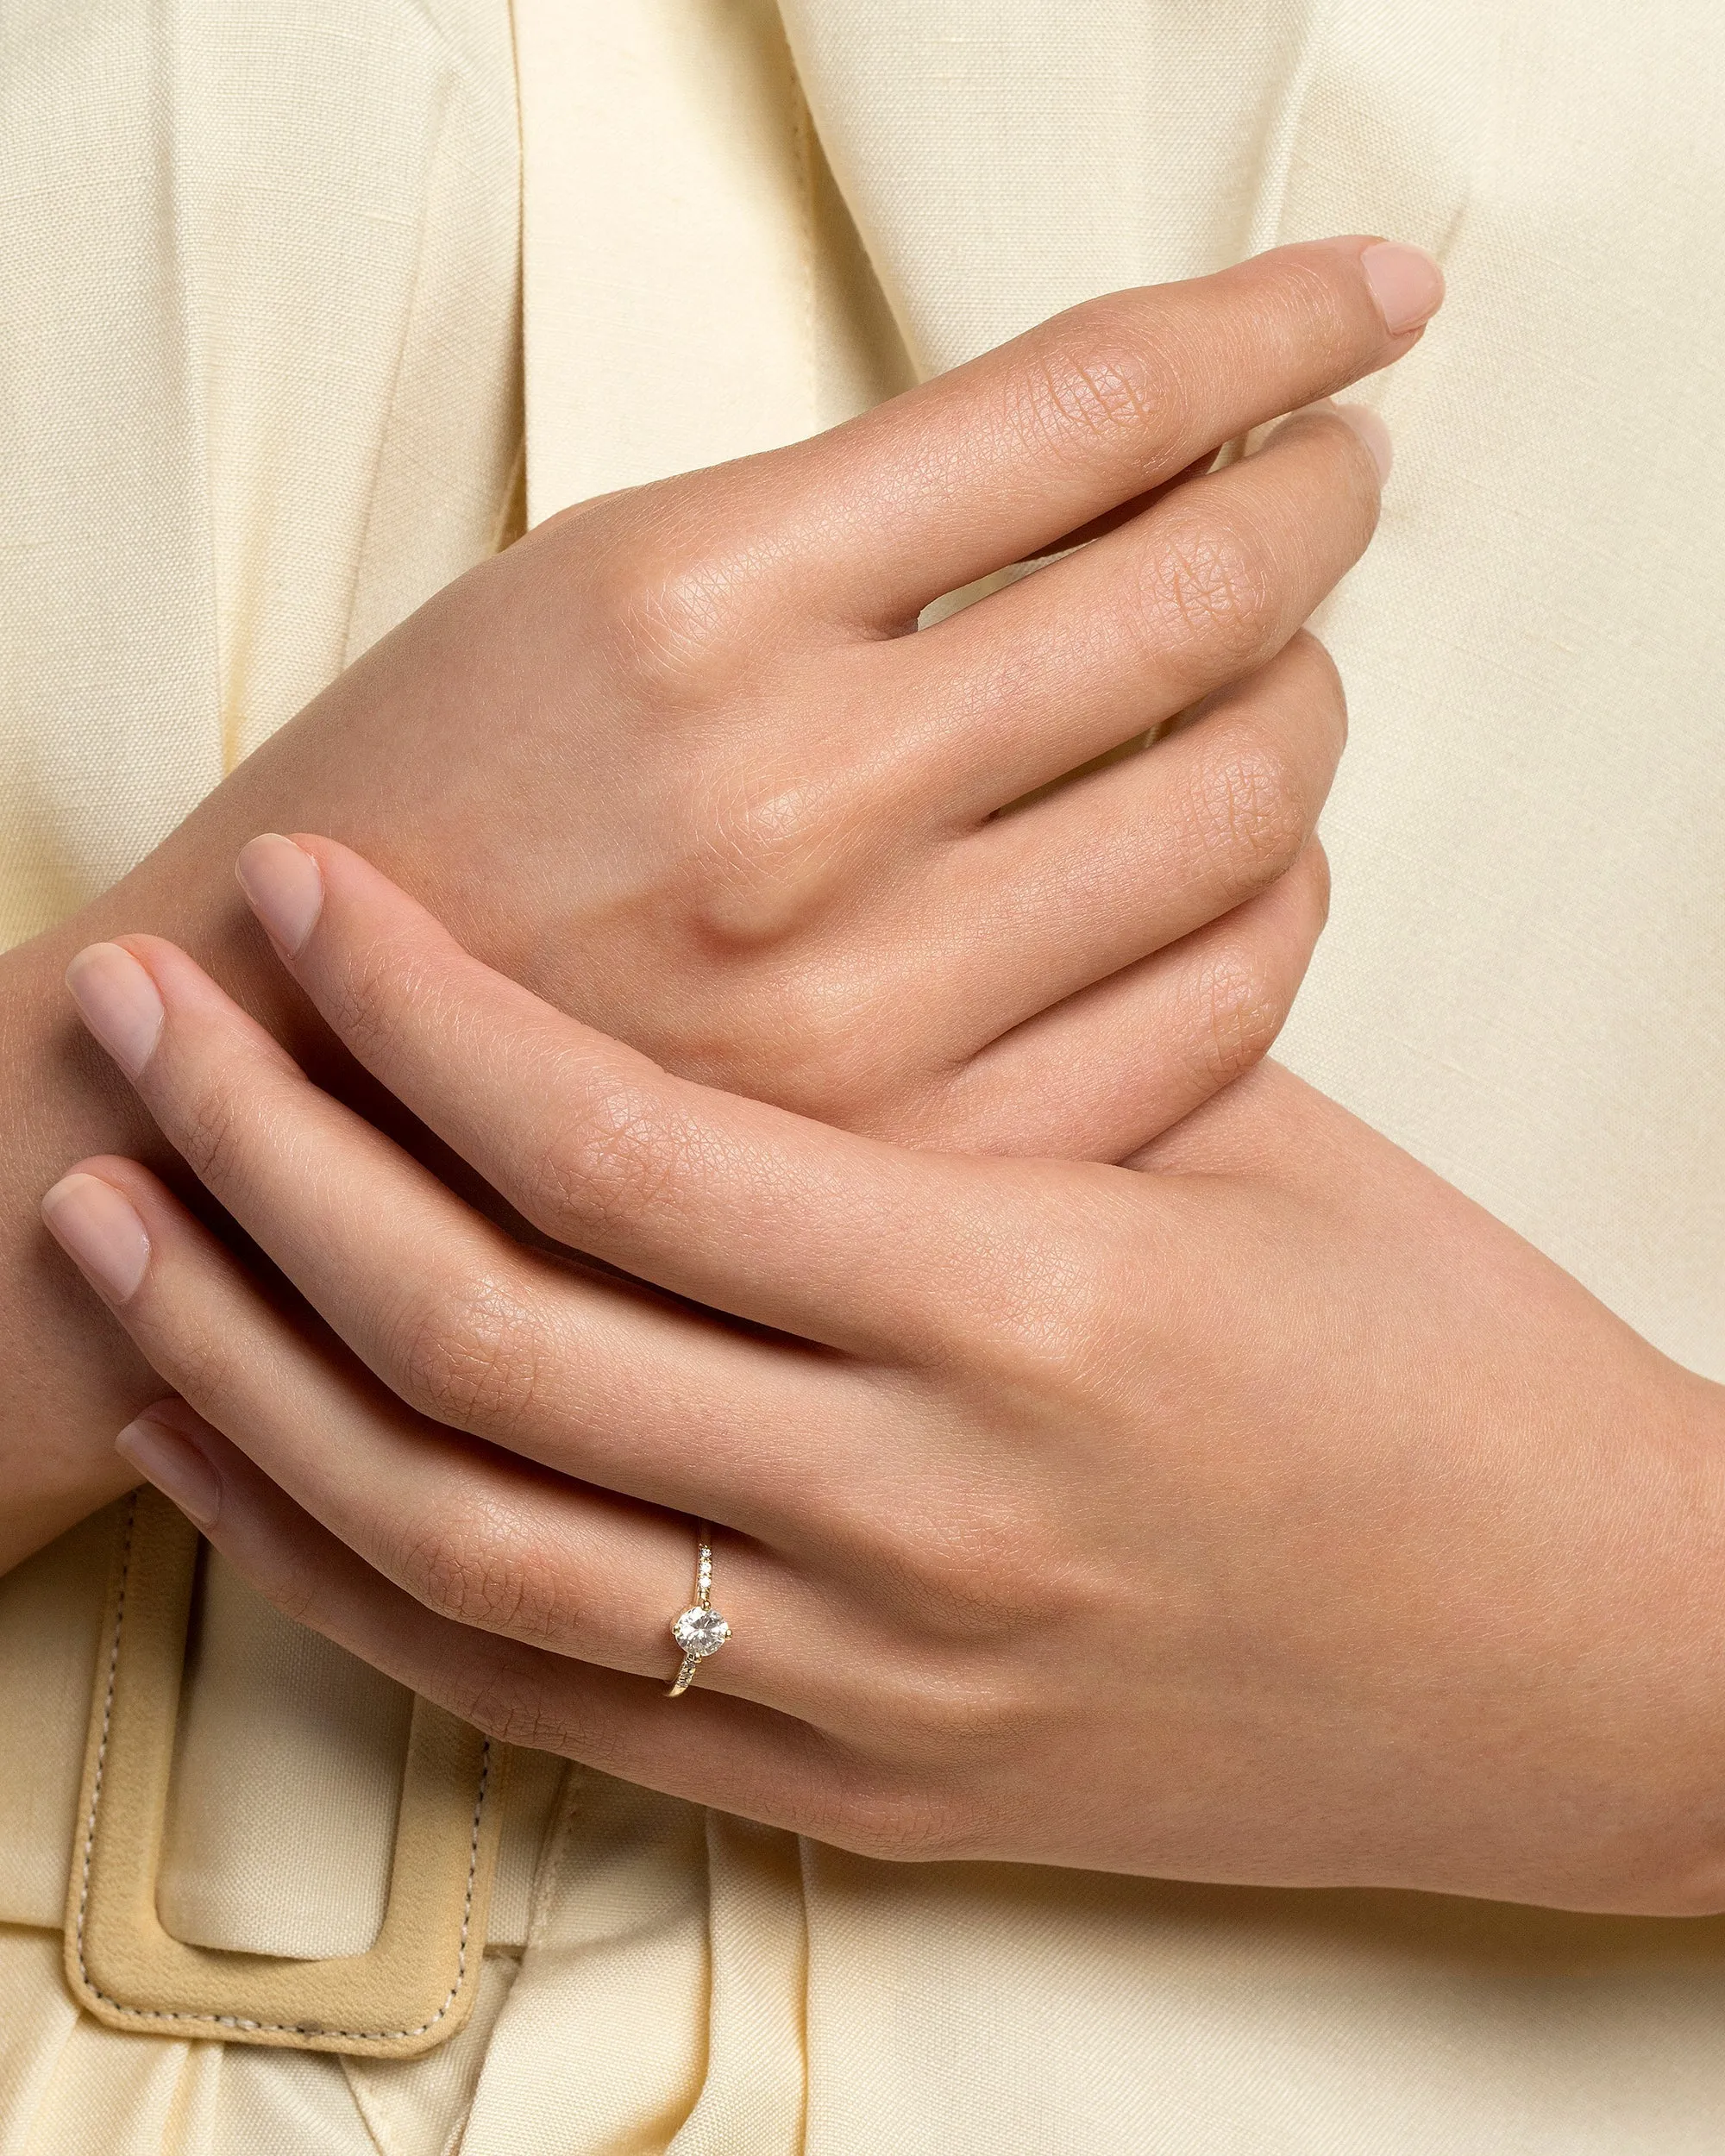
(260, 354)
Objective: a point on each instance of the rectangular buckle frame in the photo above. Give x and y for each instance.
(409, 1990)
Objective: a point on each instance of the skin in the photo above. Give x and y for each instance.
(676, 762)
(1271, 1507)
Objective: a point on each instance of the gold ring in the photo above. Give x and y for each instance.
(699, 1630)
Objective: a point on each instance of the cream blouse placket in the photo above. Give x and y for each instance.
(265, 401)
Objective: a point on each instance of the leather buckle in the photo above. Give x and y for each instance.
(409, 1990)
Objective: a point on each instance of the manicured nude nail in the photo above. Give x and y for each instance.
(285, 888)
(100, 1230)
(117, 1000)
(1372, 431)
(1406, 284)
(174, 1464)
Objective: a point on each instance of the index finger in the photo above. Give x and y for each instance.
(1009, 455)
(744, 1207)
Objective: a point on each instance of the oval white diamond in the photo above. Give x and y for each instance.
(699, 1631)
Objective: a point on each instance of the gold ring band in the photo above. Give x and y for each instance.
(699, 1630)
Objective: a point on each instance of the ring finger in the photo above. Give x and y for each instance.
(478, 1536)
(708, 1747)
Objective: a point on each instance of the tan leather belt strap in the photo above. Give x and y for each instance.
(411, 1988)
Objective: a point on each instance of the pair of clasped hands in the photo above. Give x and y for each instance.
(1117, 1455)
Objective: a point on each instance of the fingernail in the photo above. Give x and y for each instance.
(100, 1231)
(284, 887)
(174, 1464)
(118, 1001)
(1406, 284)
(1372, 431)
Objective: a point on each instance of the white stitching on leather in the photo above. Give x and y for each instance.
(236, 2021)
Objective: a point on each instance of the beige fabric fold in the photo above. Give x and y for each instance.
(261, 397)
(661, 1999)
(50, 1630)
(696, 289)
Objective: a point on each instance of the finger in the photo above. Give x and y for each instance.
(1154, 1041)
(1000, 458)
(590, 1375)
(1111, 519)
(738, 1205)
(1095, 649)
(411, 1497)
(1038, 905)
(705, 1746)
(462, 1322)
(744, 1208)
(474, 1533)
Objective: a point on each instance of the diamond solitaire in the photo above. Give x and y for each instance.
(701, 1632)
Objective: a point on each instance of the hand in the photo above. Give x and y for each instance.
(674, 761)
(1272, 1516)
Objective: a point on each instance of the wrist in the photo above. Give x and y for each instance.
(69, 1378)
(1674, 1649)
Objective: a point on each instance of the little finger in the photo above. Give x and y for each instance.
(1155, 1040)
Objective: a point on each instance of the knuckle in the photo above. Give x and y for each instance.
(493, 1695)
(470, 1354)
(977, 1570)
(295, 1591)
(1241, 1007)
(965, 1708)
(452, 1565)
(959, 1570)
(611, 1161)
(1249, 803)
(365, 998)
(203, 1363)
(211, 1134)
(831, 1052)
(898, 1822)
(1208, 586)
(470, 1566)
(1093, 378)
(760, 858)
(665, 601)
(1049, 1345)
(1317, 297)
